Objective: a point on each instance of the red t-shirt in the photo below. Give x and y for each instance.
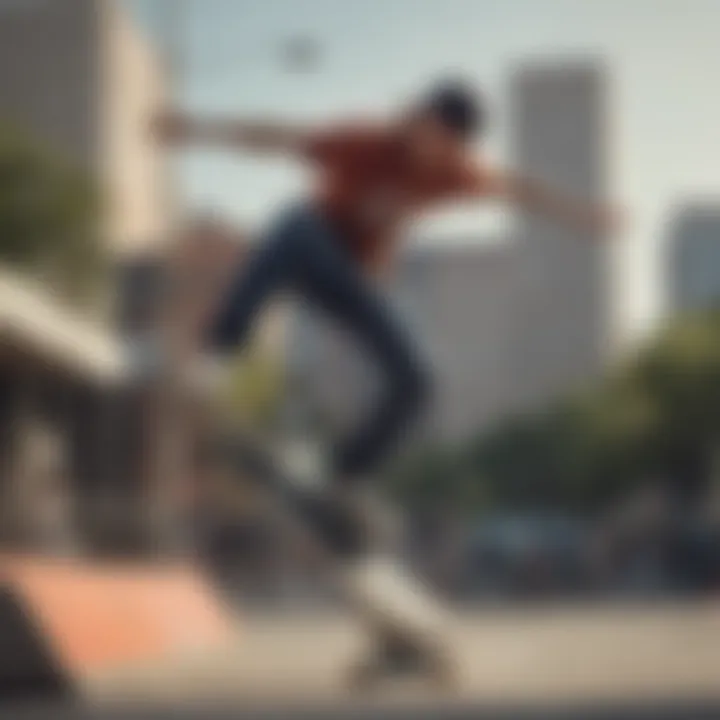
(369, 187)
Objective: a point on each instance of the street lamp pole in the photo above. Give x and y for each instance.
(169, 466)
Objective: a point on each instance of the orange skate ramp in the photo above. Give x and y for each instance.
(69, 620)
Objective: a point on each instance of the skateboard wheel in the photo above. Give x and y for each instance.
(365, 675)
(397, 655)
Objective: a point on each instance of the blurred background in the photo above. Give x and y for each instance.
(573, 452)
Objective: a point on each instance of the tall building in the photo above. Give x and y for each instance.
(558, 111)
(693, 257)
(462, 302)
(80, 75)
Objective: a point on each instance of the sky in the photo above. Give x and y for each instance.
(663, 59)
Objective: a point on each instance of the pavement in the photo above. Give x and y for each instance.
(575, 662)
(458, 711)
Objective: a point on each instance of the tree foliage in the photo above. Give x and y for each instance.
(49, 213)
(655, 418)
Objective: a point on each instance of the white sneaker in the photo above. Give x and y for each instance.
(305, 463)
(386, 591)
(146, 360)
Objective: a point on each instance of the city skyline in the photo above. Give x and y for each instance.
(506, 328)
(658, 52)
(693, 256)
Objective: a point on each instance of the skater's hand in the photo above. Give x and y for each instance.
(538, 197)
(173, 128)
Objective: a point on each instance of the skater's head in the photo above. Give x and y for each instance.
(445, 119)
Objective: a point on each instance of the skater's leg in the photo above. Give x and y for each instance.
(332, 280)
(392, 603)
(302, 252)
(326, 276)
(268, 269)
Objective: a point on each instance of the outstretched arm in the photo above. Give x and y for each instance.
(178, 129)
(538, 197)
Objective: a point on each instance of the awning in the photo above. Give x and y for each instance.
(36, 322)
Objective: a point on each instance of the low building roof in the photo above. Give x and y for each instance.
(35, 322)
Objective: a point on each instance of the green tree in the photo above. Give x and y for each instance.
(655, 418)
(658, 416)
(680, 371)
(49, 213)
(436, 479)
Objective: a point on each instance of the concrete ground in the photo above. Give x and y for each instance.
(512, 661)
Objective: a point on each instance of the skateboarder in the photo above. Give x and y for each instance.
(371, 179)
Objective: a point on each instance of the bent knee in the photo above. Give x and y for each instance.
(415, 387)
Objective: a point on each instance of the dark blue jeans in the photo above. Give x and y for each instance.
(302, 255)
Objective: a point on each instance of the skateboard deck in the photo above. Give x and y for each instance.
(406, 623)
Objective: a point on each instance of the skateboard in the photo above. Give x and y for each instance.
(403, 620)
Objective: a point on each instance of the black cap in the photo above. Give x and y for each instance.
(457, 105)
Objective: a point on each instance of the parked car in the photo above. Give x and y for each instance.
(526, 555)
